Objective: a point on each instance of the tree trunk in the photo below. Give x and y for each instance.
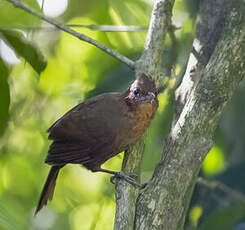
(201, 98)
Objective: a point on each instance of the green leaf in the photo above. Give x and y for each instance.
(24, 48)
(10, 16)
(4, 96)
(7, 221)
(114, 81)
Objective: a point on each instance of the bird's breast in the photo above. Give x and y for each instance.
(138, 121)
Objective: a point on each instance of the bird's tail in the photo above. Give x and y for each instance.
(48, 189)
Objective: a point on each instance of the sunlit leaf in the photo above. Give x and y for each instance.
(24, 48)
(11, 16)
(195, 214)
(128, 13)
(214, 162)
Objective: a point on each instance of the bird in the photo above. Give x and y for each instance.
(98, 129)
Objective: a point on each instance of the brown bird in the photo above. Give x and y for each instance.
(98, 129)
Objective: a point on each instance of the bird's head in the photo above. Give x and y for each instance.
(143, 90)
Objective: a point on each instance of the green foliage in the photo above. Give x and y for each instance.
(76, 70)
(12, 17)
(6, 221)
(4, 95)
(224, 219)
(24, 48)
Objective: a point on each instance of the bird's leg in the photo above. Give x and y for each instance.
(120, 175)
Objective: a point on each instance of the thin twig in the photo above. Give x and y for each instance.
(220, 200)
(222, 187)
(104, 28)
(80, 36)
(112, 28)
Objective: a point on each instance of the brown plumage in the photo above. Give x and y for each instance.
(98, 129)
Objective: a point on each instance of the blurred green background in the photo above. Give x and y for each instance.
(45, 72)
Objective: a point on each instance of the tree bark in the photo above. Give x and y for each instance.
(164, 202)
(221, 66)
(210, 25)
(150, 63)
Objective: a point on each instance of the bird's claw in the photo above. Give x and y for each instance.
(129, 179)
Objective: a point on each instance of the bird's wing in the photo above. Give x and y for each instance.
(86, 130)
(91, 119)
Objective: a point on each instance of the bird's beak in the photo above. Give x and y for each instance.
(150, 96)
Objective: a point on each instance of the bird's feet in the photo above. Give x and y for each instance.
(128, 178)
(121, 175)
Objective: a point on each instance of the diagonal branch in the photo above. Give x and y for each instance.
(80, 36)
(213, 185)
(210, 24)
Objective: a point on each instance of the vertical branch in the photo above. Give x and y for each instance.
(149, 63)
(127, 194)
(210, 25)
(151, 60)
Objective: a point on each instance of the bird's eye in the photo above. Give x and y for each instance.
(136, 92)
